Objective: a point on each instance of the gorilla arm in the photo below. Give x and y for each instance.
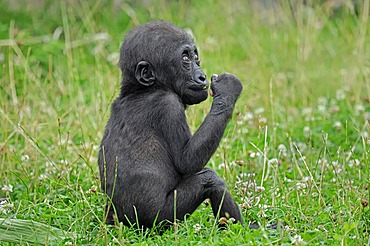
(191, 153)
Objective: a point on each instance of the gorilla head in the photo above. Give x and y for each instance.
(161, 55)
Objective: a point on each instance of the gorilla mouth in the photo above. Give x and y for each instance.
(196, 86)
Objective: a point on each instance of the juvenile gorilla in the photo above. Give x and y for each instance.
(147, 153)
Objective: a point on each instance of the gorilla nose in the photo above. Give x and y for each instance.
(200, 78)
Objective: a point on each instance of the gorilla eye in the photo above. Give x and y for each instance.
(196, 58)
(186, 58)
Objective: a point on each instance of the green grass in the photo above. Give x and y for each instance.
(296, 150)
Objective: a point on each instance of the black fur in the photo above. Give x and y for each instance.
(147, 151)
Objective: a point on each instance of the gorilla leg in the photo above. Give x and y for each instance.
(193, 190)
(228, 208)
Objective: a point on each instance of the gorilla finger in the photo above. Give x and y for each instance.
(214, 77)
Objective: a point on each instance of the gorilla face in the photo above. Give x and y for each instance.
(192, 86)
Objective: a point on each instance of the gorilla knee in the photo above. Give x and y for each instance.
(212, 180)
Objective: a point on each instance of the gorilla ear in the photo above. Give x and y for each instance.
(144, 73)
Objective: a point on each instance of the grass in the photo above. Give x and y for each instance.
(296, 150)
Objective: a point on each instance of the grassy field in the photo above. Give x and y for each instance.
(296, 150)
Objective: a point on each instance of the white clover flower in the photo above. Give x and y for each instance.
(7, 188)
(239, 122)
(302, 146)
(48, 164)
(226, 140)
(337, 170)
(321, 108)
(352, 163)
(273, 161)
(336, 167)
(262, 120)
(297, 240)
(337, 125)
(322, 101)
(25, 158)
(282, 147)
(248, 116)
(301, 186)
(42, 177)
(359, 109)
(323, 162)
(252, 185)
(233, 164)
(244, 130)
(259, 110)
(340, 95)
(264, 206)
(197, 228)
(287, 180)
(282, 150)
(6, 207)
(222, 166)
(243, 175)
(252, 154)
(260, 189)
(306, 178)
(249, 194)
(307, 111)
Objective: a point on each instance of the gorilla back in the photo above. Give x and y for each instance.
(147, 151)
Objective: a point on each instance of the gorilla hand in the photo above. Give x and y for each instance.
(225, 89)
